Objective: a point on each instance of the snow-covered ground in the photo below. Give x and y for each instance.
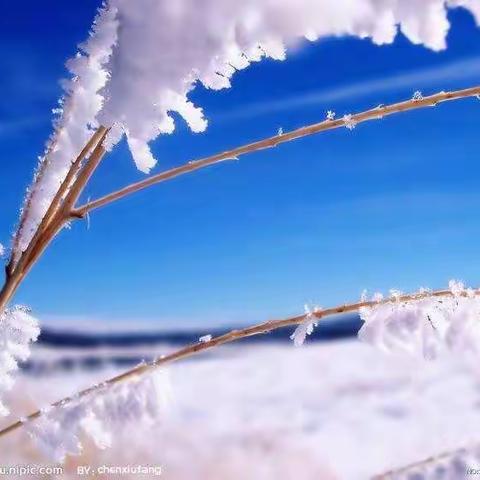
(337, 410)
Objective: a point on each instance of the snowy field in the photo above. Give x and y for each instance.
(337, 410)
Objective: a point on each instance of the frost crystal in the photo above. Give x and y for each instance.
(205, 338)
(74, 125)
(99, 415)
(350, 123)
(417, 96)
(331, 115)
(17, 330)
(425, 325)
(2, 250)
(306, 327)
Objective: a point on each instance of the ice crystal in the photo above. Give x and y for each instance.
(100, 415)
(426, 324)
(331, 115)
(349, 121)
(17, 330)
(306, 327)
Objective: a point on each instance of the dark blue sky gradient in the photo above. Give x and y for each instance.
(392, 204)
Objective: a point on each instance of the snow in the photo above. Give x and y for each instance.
(17, 330)
(74, 124)
(139, 402)
(332, 411)
(426, 325)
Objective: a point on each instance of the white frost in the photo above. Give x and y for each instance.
(426, 325)
(136, 403)
(306, 327)
(17, 330)
(75, 123)
(205, 338)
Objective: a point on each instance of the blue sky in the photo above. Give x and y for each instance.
(392, 204)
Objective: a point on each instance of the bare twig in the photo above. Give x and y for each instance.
(372, 114)
(56, 216)
(96, 138)
(229, 337)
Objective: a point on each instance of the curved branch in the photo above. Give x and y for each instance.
(347, 121)
(229, 337)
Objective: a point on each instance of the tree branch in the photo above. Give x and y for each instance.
(95, 139)
(372, 114)
(229, 337)
(51, 223)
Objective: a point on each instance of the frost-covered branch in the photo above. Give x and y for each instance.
(449, 465)
(329, 124)
(455, 292)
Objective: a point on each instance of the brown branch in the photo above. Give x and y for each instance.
(53, 220)
(372, 114)
(96, 138)
(229, 337)
(86, 173)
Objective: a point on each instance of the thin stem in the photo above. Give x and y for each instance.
(372, 114)
(229, 337)
(86, 173)
(96, 138)
(55, 217)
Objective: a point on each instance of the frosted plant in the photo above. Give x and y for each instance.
(122, 78)
(75, 122)
(455, 465)
(424, 324)
(2, 250)
(17, 330)
(306, 327)
(140, 401)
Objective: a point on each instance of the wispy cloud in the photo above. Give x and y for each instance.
(459, 70)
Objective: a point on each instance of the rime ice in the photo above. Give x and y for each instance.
(17, 330)
(306, 327)
(426, 325)
(141, 401)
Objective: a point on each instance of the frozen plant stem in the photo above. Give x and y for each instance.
(372, 114)
(58, 213)
(229, 337)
